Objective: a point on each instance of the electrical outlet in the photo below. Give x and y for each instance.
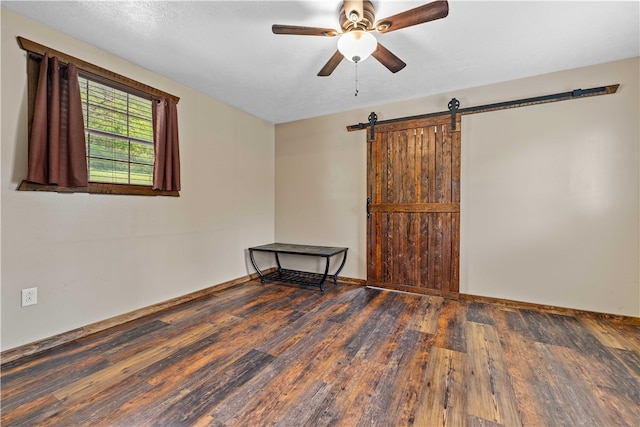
(29, 296)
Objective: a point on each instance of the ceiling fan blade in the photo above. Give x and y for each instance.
(418, 15)
(303, 31)
(331, 64)
(388, 59)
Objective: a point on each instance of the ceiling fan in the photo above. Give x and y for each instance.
(356, 42)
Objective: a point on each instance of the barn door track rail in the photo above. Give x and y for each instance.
(454, 106)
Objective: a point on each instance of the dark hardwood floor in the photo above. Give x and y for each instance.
(273, 354)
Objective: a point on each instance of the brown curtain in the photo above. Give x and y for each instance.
(166, 169)
(57, 151)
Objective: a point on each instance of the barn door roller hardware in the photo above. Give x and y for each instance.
(373, 119)
(454, 105)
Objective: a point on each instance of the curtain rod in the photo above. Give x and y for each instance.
(38, 49)
(111, 83)
(563, 96)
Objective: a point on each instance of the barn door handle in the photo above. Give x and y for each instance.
(368, 207)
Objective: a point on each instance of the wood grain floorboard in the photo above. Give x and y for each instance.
(282, 355)
(570, 402)
(487, 379)
(479, 313)
(520, 359)
(425, 318)
(450, 333)
(443, 398)
(87, 412)
(630, 358)
(619, 336)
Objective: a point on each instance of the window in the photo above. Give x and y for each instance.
(119, 134)
(123, 155)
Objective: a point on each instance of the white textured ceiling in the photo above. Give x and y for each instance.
(226, 49)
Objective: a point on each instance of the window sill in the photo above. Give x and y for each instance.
(99, 188)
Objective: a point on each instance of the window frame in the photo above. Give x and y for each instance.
(103, 76)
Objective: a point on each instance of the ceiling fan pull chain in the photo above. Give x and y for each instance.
(356, 94)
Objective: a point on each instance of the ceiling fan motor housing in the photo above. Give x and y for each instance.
(364, 22)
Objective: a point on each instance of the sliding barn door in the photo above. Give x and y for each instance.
(413, 184)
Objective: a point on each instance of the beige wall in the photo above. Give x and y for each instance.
(94, 256)
(550, 193)
(550, 199)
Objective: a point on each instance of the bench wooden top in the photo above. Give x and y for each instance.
(288, 248)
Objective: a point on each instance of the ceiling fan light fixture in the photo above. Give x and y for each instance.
(357, 45)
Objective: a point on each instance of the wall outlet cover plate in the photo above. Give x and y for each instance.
(29, 296)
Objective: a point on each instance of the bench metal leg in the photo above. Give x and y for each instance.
(253, 261)
(324, 276)
(278, 262)
(344, 260)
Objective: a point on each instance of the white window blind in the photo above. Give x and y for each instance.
(119, 134)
